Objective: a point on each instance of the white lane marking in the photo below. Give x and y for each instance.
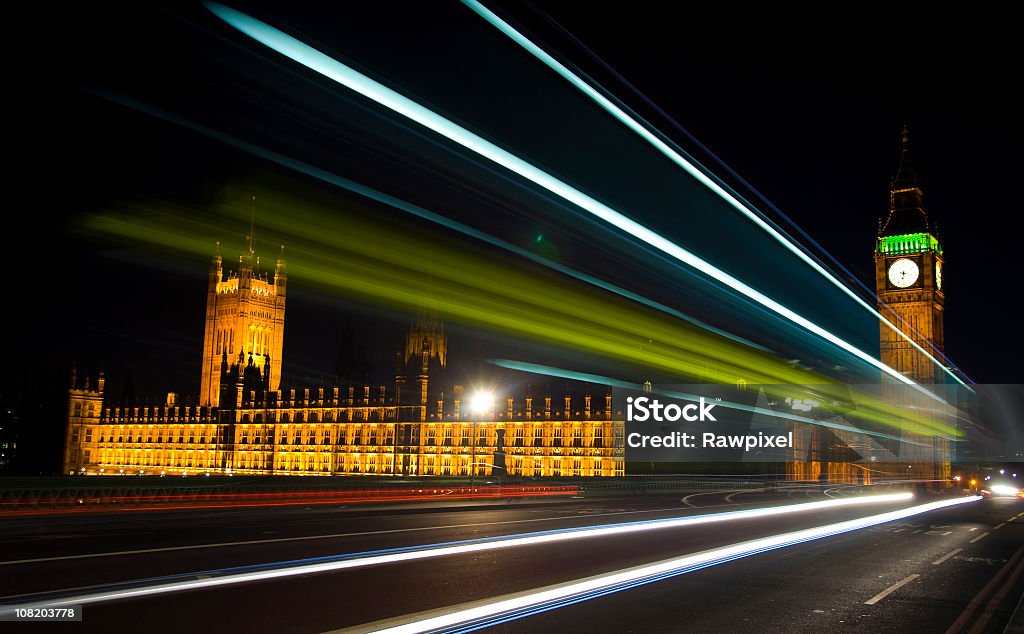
(485, 612)
(946, 556)
(973, 528)
(99, 595)
(729, 497)
(250, 542)
(893, 588)
(686, 500)
(1012, 519)
(999, 526)
(979, 538)
(1020, 514)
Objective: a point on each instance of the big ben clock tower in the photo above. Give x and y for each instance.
(908, 277)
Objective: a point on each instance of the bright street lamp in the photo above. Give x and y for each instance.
(480, 403)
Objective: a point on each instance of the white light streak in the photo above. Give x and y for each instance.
(458, 548)
(687, 166)
(349, 77)
(633, 576)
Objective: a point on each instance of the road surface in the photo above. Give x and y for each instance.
(958, 567)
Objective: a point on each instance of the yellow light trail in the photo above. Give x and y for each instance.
(408, 267)
(358, 82)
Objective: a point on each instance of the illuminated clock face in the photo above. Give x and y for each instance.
(903, 273)
(938, 275)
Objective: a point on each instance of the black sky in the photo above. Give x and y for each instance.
(808, 115)
(808, 108)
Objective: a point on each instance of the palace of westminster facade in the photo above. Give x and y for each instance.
(247, 424)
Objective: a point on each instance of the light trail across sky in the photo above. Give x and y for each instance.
(323, 234)
(605, 380)
(650, 102)
(396, 266)
(206, 579)
(421, 212)
(486, 613)
(686, 165)
(349, 77)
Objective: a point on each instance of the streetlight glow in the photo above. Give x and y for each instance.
(481, 402)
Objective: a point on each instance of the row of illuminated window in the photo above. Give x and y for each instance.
(358, 463)
(119, 458)
(529, 435)
(549, 466)
(340, 415)
(129, 436)
(535, 435)
(149, 415)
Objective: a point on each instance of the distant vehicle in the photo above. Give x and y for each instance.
(1002, 491)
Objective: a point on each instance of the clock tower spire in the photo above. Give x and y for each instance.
(908, 276)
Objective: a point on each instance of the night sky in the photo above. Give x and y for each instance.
(811, 118)
(808, 116)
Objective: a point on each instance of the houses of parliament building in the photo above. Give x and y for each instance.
(246, 424)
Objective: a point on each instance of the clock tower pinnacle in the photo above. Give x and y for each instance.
(909, 276)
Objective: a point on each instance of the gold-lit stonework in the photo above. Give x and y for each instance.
(244, 314)
(908, 279)
(915, 305)
(908, 284)
(246, 424)
(335, 433)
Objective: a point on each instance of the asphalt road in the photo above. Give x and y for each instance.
(821, 585)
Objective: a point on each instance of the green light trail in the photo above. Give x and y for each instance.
(407, 267)
(420, 212)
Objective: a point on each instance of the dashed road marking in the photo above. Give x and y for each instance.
(946, 556)
(893, 588)
(979, 537)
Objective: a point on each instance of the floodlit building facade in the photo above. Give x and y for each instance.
(245, 423)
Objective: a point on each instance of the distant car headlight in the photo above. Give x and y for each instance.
(1003, 489)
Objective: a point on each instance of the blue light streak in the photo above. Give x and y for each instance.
(686, 165)
(547, 370)
(501, 609)
(349, 77)
(279, 570)
(421, 212)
